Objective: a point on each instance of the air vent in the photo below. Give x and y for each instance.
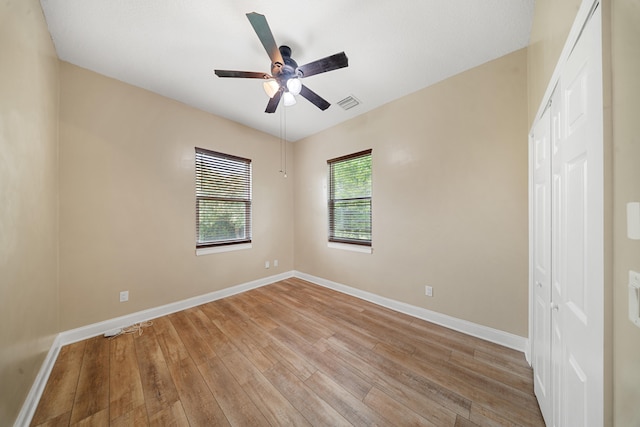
(349, 102)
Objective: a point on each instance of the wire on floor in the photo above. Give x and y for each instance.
(133, 329)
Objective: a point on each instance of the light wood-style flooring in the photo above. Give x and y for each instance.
(290, 353)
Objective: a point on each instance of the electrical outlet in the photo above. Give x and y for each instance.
(124, 296)
(275, 262)
(266, 264)
(428, 291)
(634, 278)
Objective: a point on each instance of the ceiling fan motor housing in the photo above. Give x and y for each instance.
(284, 70)
(289, 69)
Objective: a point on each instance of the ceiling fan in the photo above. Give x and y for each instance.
(285, 79)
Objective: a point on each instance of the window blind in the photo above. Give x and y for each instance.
(350, 199)
(223, 199)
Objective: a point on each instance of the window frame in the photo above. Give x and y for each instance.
(340, 242)
(204, 247)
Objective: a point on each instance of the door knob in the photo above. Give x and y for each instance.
(555, 307)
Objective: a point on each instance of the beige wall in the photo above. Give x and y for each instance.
(449, 160)
(127, 200)
(626, 128)
(449, 197)
(28, 200)
(552, 21)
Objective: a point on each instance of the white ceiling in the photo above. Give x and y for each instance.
(171, 47)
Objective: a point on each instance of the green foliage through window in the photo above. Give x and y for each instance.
(350, 199)
(223, 199)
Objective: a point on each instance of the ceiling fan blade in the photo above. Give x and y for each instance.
(273, 102)
(333, 62)
(242, 74)
(261, 27)
(314, 98)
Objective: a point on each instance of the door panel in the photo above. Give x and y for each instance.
(568, 241)
(575, 223)
(541, 222)
(558, 270)
(577, 402)
(556, 372)
(575, 100)
(578, 229)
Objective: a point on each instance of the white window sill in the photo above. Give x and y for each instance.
(223, 248)
(352, 248)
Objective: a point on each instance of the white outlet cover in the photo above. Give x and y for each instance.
(634, 278)
(124, 296)
(633, 220)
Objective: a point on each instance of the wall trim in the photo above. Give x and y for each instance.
(78, 334)
(74, 335)
(95, 329)
(486, 333)
(30, 404)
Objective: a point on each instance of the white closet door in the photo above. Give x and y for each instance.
(578, 236)
(556, 260)
(567, 175)
(541, 225)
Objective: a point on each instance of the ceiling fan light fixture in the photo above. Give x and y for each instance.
(294, 85)
(288, 99)
(271, 87)
(284, 80)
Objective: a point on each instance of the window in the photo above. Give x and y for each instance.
(223, 199)
(350, 199)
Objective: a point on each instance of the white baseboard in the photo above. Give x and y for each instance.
(95, 329)
(506, 339)
(30, 405)
(74, 335)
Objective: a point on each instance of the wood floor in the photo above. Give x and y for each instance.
(291, 353)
